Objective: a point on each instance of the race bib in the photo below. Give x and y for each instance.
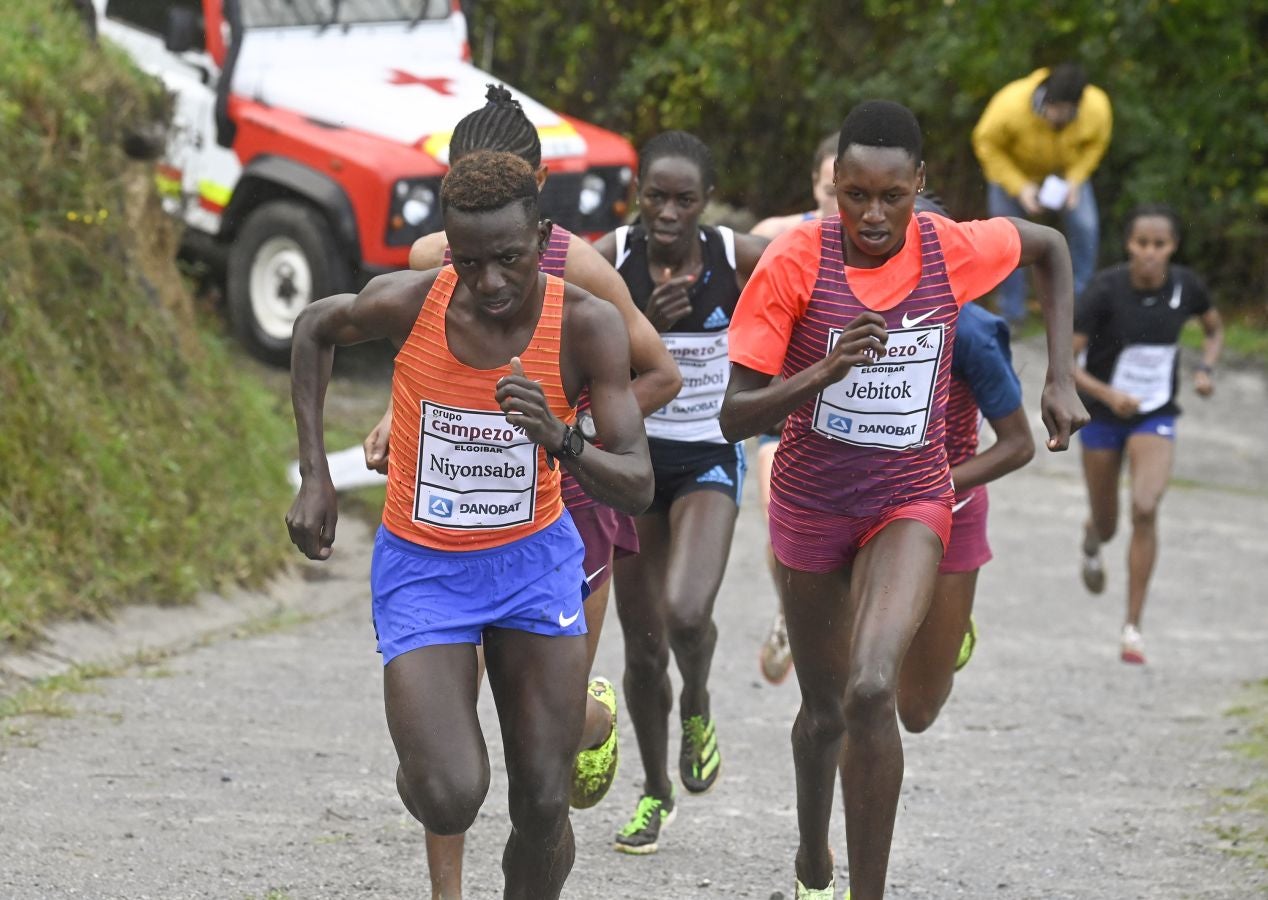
(693, 414)
(474, 470)
(885, 404)
(1144, 371)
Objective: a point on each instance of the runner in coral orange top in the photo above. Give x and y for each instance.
(857, 317)
(476, 546)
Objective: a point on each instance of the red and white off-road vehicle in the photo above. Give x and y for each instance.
(309, 138)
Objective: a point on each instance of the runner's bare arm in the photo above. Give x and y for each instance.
(658, 379)
(1121, 404)
(775, 226)
(1212, 346)
(1014, 447)
(748, 250)
(1045, 249)
(756, 402)
(428, 252)
(619, 474)
(385, 308)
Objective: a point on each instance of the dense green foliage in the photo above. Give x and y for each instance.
(134, 462)
(763, 81)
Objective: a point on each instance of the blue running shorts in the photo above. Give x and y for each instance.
(1102, 434)
(422, 596)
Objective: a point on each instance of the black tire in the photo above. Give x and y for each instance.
(283, 259)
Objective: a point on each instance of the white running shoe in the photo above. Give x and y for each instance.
(1132, 648)
(776, 655)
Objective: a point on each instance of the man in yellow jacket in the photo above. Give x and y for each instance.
(1039, 141)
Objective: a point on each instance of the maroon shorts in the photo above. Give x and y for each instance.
(968, 549)
(813, 541)
(606, 534)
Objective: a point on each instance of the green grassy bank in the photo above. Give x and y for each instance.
(136, 462)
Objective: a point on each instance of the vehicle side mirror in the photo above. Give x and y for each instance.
(184, 30)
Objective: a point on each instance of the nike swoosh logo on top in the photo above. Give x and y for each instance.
(963, 503)
(565, 621)
(909, 322)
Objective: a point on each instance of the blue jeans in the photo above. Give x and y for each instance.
(1082, 232)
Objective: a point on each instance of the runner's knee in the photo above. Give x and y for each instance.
(869, 695)
(646, 654)
(445, 800)
(689, 629)
(820, 720)
(1144, 512)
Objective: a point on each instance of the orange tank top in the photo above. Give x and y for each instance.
(459, 477)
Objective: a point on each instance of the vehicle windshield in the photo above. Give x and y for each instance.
(282, 13)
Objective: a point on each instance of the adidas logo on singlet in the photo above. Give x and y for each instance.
(717, 319)
(717, 474)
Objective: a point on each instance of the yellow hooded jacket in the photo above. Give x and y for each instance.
(1015, 145)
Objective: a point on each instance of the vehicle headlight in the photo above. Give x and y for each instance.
(418, 204)
(415, 211)
(590, 198)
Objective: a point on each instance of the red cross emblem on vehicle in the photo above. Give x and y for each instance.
(439, 85)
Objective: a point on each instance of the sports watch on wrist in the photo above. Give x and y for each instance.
(585, 424)
(572, 445)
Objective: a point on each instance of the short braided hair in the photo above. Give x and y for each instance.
(488, 180)
(499, 125)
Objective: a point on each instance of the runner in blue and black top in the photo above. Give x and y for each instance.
(686, 279)
(1126, 326)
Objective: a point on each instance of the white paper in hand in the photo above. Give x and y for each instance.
(1053, 191)
(347, 470)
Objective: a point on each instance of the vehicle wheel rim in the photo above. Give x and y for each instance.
(281, 286)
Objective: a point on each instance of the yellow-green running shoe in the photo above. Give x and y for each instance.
(595, 769)
(641, 833)
(699, 760)
(967, 645)
(823, 893)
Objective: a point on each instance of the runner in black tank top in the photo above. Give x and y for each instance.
(686, 279)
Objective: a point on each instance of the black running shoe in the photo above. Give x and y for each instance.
(699, 761)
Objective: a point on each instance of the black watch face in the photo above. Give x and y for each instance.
(575, 442)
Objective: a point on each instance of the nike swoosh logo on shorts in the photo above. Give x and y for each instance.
(565, 621)
(595, 574)
(909, 322)
(963, 503)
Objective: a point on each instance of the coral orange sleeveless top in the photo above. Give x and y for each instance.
(459, 477)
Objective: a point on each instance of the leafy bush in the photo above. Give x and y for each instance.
(134, 462)
(762, 82)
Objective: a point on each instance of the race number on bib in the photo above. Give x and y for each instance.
(693, 414)
(887, 403)
(1145, 372)
(474, 470)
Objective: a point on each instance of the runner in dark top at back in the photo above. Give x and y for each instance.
(1126, 325)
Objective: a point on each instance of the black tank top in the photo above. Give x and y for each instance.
(713, 296)
(697, 341)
